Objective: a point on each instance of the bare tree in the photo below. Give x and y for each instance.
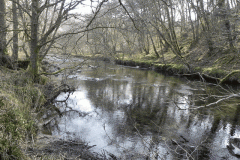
(3, 29)
(34, 48)
(45, 20)
(15, 31)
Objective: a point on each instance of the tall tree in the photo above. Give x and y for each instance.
(15, 30)
(43, 35)
(34, 48)
(224, 8)
(2, 30)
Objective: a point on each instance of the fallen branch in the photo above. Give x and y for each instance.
(218, 101)
(57, 93)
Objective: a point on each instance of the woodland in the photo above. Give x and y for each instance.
(190, 33)
(192, 38)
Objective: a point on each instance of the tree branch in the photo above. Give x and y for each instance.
(218, 101)
(95, 14)
(120, 2)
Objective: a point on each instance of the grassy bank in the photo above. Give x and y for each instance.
(216, 69)
(19, 99)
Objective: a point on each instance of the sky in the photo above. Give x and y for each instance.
(86, 7)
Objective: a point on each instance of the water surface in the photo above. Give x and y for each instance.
(135, 113)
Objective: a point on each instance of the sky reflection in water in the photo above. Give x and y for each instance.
(133, 112)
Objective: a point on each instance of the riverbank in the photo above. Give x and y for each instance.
(52, 147)
(47, 146)
(214, 70)
(20, 101)
(218, 70)
(23, 105)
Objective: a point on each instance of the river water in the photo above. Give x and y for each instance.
(136, 113)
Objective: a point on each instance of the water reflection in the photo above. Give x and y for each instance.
(136, 114)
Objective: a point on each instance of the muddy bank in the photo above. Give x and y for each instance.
(52, 147)
(211, 75)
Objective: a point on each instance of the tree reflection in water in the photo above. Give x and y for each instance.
(136, 113)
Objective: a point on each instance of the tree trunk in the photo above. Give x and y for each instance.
(229, 34)
(154, 47)
(34, 49)
(224, 9)
(182, 12)
(2, 30)
(206, 28)
(146, 45)
(171, 28)
(191, 22)
(15, 32)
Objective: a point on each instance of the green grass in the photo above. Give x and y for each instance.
(19, 97)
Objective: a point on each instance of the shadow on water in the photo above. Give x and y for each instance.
(139, 114)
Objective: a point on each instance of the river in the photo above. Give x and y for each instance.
(137, 113)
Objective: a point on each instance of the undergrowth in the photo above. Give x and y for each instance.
(19, 97)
